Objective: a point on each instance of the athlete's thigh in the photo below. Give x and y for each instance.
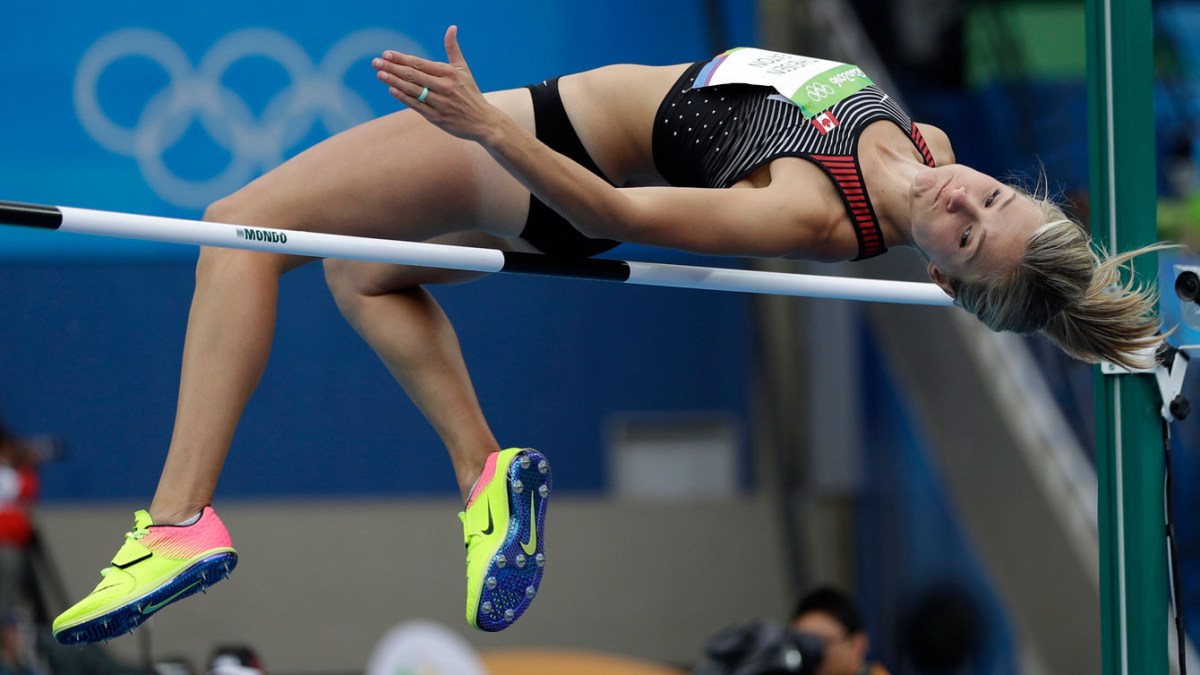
(396, 177)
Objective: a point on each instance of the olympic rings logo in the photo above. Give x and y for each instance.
(819, 92)
(255, 143)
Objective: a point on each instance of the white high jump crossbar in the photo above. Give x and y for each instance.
(321, 245)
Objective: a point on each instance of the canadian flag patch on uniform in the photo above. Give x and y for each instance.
(825, 122)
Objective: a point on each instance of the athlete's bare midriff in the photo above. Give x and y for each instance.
(612, 110)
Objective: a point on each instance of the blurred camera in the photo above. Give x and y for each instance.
(1187, 313)
(761, 648)
(1187, 283)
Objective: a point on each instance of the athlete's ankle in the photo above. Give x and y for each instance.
(468, 469)
(470, 483)
(175, 516)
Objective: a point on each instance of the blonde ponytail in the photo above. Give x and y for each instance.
(1114, 321)
(1072, 293)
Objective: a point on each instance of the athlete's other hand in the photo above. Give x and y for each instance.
(454, 102)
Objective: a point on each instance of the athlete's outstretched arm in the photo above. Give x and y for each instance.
(766, 222)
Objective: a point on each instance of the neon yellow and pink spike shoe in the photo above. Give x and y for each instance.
(158, 565)
(504, 530)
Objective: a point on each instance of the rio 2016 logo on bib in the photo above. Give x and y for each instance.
(830, 88)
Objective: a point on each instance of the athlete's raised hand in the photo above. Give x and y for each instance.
(443, 93)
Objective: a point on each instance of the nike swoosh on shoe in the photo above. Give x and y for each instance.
(530, 547)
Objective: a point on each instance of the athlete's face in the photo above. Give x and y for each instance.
(968, 224)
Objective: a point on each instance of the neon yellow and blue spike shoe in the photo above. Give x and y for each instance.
(504, 530)
(158, 565)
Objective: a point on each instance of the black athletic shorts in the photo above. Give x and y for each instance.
(545, 229)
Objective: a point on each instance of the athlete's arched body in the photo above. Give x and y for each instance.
(626, 153)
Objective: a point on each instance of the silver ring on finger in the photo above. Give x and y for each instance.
(424, 93)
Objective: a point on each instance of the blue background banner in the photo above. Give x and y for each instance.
(165, 108)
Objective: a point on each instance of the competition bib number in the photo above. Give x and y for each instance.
(815, 85)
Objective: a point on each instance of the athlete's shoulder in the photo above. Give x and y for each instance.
(938, 142)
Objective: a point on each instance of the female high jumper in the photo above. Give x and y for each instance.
(751, 153)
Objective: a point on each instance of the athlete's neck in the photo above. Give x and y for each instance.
(889, 172)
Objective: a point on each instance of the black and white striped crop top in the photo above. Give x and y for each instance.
(713, 136)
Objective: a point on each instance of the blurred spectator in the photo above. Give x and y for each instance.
(19, 457)
(18, 490)
(235, 660)
(26, 646)
(831, 616)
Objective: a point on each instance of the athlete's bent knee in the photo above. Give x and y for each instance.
(219, 260)
(344, 279)
(222, 211)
